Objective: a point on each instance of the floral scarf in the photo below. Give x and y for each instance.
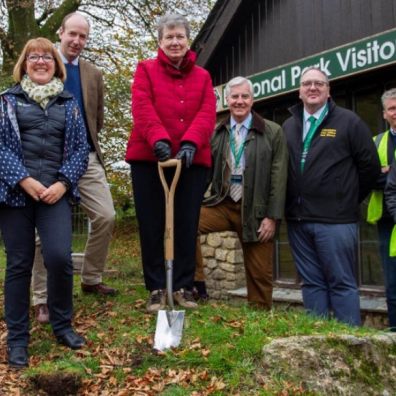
(42, 93)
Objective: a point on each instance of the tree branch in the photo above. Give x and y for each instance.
(46, 13)
(53, 23)
(146, 22)
(103, 21)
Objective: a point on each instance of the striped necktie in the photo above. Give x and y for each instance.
(236, 188)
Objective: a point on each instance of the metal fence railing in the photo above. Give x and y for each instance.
(81, 228)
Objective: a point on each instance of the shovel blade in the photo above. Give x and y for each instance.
(169, 329)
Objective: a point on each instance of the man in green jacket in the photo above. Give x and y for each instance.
(248, 187)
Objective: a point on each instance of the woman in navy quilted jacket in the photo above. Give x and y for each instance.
(43, 153)
(174, 111)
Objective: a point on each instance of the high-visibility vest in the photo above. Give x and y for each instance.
(392, 243)
(374, 210)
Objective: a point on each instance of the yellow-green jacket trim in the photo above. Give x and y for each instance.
(375, 205)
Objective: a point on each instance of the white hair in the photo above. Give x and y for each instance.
(238, 81)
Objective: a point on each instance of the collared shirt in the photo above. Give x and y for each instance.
(307, 123)
(64, 60)
(246, 123)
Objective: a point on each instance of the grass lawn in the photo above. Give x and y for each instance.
(219, 355)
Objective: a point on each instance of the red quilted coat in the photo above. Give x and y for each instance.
(171, 104)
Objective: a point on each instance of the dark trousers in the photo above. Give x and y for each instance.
(258, 257)
(325, 257)
(18, 225)
(150, 211)
(389, 267)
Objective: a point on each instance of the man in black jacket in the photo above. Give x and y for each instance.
(333, 164)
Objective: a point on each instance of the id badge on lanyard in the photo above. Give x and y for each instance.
(236, 179)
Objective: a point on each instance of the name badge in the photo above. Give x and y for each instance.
(236, 179)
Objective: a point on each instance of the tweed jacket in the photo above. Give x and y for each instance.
(12, 169)
(93, 97)
(264, 177)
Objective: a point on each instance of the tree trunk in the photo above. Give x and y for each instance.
(23, 26)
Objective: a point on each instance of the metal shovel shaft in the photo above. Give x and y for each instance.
(169, 282)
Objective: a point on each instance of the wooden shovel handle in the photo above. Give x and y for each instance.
(169, 203)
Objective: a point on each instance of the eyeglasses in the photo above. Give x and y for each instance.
(315, 83)
(47, 58)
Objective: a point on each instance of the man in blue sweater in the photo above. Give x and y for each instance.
(85, 82)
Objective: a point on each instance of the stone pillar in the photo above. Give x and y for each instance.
(223, 263)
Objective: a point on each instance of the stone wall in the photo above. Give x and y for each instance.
(224, 272)
(223, 263)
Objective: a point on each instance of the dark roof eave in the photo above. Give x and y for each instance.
(213, 29)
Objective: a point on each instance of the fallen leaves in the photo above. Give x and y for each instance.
(119, 359)
(155, 380)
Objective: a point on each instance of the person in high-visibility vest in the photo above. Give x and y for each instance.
(382, 204)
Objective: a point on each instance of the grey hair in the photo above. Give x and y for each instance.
(306, 70)
(170, 21)
(237, 81)
(390, 94)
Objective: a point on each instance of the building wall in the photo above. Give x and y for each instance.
(251, 37)
(269, 33)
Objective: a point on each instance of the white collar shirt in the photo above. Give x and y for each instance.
(65, 61)
(243, 132)
(307, 123)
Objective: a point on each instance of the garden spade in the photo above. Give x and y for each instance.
(169, 328)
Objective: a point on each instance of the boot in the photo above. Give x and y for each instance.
(199, 291)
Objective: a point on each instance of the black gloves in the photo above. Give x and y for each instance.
(162, 150)
(186, 153)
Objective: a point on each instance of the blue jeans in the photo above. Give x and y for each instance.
(325, 257)
(389, 267)
(18, 225)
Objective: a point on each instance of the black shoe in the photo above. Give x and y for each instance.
(199, 291)
(71, 340)
(100, 289)
(18, 357)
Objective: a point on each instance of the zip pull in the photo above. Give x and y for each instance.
(2, 111)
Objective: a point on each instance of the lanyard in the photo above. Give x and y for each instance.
(311, 133)
(237, 155)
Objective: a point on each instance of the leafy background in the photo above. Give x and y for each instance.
(123, 32)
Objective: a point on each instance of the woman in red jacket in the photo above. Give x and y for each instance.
(174, 111)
